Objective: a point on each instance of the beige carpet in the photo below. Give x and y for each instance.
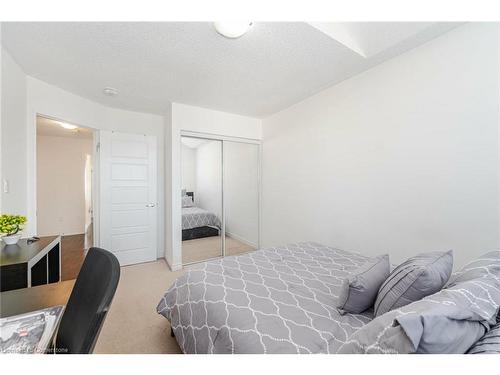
(132, 324)
(211, 247)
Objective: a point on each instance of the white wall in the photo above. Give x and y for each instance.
(400, 159)
(207, 121)
(241, 191)
(172, 197)
(209, 177)
(24, 97)
(13, 136)
(1, 87)
(188, 161)
(49, 100)
(185, 118)
(61, 184)
(88, 180)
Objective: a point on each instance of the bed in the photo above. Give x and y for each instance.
(276, 300)
(197, 222)
(283, 300)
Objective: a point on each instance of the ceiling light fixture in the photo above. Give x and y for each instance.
(110, 91)
(67, 126)
(233, 30)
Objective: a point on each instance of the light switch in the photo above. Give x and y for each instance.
(5, 185)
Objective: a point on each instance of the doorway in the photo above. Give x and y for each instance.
(64, 159)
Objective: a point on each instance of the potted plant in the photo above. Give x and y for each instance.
(10, 225)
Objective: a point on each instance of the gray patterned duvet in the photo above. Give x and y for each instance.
(194, 217)
(275, 300)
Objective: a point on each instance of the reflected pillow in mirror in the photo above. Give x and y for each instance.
(187, 201)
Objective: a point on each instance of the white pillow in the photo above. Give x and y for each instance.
(187, 201)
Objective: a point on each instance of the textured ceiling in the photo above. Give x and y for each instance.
(272, 67)
(371, 38)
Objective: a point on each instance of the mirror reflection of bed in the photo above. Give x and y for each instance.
(203, 192)
(203, 242)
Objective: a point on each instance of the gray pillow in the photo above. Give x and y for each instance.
(486, 264)
(359, 290)
(442, 329)
(488, 344)
(449, 321)
(414, 279)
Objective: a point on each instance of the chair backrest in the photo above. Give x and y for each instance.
(88, 303)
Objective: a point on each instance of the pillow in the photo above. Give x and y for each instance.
(414, 279)
(442, 330)
(359, 290)
(486, 264)
(187, 201)
(488, 344)
(449, 321)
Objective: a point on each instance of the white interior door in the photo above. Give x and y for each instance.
(128, 196)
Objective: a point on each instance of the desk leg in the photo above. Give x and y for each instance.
(39, 272)
(54, 264)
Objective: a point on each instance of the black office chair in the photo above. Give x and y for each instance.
(88, 303)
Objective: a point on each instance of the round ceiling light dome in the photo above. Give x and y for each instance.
(233, 29)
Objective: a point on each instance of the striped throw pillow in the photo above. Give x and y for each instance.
(414, 279)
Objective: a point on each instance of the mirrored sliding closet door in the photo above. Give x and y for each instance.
(201, 165)
(220, 198)
(241, 197)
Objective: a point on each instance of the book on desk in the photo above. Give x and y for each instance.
(31, 332)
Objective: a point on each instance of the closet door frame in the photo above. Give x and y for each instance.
(224, 138)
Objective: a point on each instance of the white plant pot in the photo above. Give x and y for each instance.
(11, 240)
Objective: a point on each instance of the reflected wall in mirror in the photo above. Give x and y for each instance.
(201, 165)
(241, 197)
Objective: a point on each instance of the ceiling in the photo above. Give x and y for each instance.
(370, 38)
(270, 68)
(49, 127)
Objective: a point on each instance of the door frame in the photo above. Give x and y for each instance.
(32, 188)
(222, 138)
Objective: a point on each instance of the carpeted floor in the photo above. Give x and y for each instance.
(211, 247)
(132, 324)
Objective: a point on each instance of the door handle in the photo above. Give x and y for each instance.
(150, 205)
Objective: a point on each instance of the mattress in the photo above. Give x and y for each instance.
(274, 300)
(194, 217)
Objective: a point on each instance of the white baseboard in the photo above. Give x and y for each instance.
(60, 234)
(176, 267)
(88, 227)
(241, 239)
(173, 267)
